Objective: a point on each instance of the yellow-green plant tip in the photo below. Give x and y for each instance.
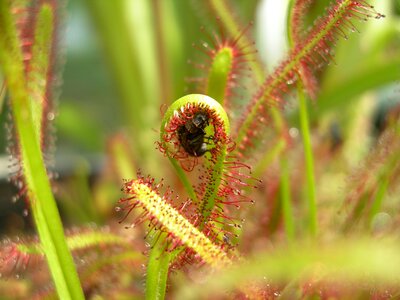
(173, 222)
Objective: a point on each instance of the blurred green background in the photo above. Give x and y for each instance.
(126, 60)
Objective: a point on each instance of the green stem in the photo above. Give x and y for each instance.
(384, 180)
(287, 209)
(309, 160)
(3, 91)
(289, 21)
(305, 130)
(43, 205)
(184, 179)
(210, 196)
(157, 270)
(376, 205)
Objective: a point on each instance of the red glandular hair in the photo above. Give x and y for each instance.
(242, 49)
(308, 55)
(25, 16)
(180, 117)
(179, 222)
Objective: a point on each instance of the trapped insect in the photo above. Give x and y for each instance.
(192, 135)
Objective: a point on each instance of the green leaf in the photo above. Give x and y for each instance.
(43, 206)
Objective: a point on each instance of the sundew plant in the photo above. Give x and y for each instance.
(226, 173)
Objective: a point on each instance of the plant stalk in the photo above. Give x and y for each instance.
(309, 161)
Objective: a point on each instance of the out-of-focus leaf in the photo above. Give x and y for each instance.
(344, 261)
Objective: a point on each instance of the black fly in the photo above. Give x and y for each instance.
(192, 135)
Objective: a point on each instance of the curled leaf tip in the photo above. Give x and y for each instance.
(193, 126)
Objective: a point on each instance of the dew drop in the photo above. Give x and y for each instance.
(381, 221)
(14, 199)
(117, 208)
(17, 276)
(50, 116)
(290, 81)
(25, 213)
(294, 132)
